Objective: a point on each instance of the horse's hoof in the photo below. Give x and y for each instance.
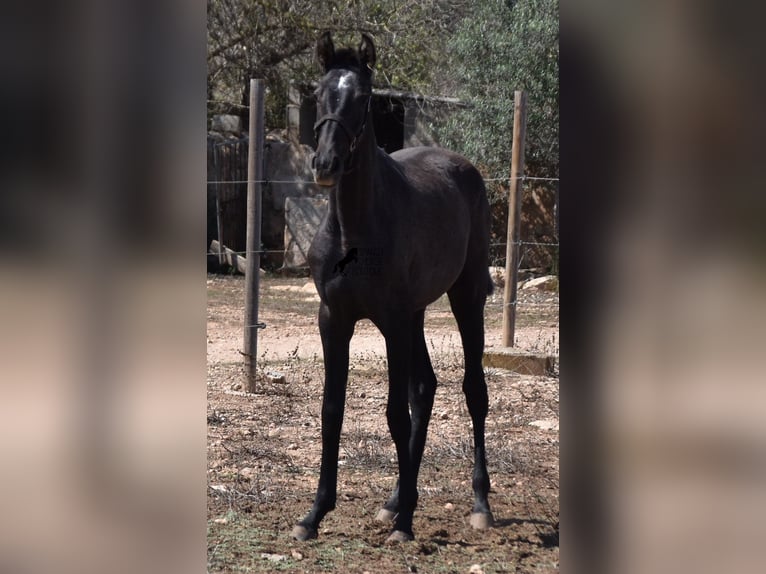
(303, 533)
(482, 520)
(385, 515)
(399, 536)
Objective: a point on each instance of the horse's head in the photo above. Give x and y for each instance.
(343, 103)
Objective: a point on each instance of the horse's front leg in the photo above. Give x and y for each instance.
(398, 348)
(336, 336)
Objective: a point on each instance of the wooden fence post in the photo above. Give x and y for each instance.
(218, 202)
(514, 218)
(253, 238)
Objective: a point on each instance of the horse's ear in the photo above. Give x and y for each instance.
(367, 51)
(325, 51)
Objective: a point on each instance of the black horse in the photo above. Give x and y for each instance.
(401, 230)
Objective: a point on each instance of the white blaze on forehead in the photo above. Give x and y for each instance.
(345, 81)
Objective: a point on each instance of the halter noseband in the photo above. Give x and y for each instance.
(354, 139)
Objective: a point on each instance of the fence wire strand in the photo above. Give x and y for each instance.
(311, 182)
(262, 251)
(491, 302)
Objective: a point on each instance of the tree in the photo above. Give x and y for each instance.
(251, 39)
(502, 46)
(274, 40)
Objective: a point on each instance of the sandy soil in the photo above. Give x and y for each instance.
(264, 448)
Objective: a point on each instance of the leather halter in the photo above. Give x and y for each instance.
(354, 139)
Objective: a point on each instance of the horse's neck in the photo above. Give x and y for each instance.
(354, 200)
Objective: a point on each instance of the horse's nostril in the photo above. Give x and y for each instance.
(323, 163)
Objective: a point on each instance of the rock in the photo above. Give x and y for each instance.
(276, 378)
(546, 424)
(519, 361)
(297, 555)
(449, 506)
(302, 218)
(226, 123)
(475, 569)
(288, 170)
(497, 274)
(273, 557)
(545, 283)
(221, 521)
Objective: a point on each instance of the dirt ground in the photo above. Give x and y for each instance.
(264, 448)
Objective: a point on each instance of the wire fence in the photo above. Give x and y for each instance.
(311, 182)
(498, 248)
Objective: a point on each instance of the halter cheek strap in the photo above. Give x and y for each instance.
(342, 123)
(354, 139)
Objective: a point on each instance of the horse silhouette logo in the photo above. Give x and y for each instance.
(351, 256)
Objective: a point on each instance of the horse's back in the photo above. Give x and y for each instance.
(434, 172)
(429, 167)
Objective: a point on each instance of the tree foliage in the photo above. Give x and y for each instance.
(479, 51)
(274, 40)
(499, 47)
(502, 46)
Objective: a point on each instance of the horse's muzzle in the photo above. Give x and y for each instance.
(326, 170)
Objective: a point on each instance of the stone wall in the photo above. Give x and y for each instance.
(302, 218)
(288, 172)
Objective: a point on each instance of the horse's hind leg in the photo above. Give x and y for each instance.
(467, 301)
(422, 388)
